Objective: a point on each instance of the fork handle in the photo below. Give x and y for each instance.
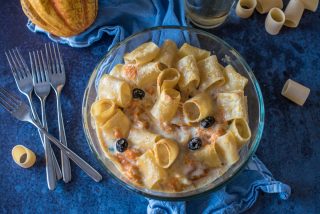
(65, 163)
(94, 174)
(36, 117)
(50, 171)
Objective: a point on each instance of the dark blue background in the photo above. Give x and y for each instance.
(290, 145)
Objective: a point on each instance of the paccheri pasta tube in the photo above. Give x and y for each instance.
(148, 74)
(198, 107)
(210, 73)
(143, 139)
(142, 54)
(264, 6)
(165, 152)
(240, 129)
(233, 80)
(274, 21)
(311, 5)
(190, 78)
(114, 89)
(295, 92)
(168, 78)
(227, 148)
(166, 105)
(245, 8)
(293, 13)
(208, 155)
(118, 124)
(152, 174)
(198, 53)
(23, 156)
(230, 106)
(168, 52)
(102, 110)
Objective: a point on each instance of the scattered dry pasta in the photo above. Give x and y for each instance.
(274, 21)
(23, 156)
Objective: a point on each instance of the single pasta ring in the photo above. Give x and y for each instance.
(23, 156)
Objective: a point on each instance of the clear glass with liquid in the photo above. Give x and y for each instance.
(208, 13)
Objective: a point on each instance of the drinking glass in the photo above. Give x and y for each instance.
(208, 13)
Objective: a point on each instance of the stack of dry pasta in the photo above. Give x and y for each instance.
(276, 17)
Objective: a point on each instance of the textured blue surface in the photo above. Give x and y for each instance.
(290, 147)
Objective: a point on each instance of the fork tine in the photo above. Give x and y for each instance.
(8, 101)
(36, 67)
(15, 67)
(40, 72)
(5, 104)
(20, 68)
(60, 60)
(56, 59)
(15, 100)
(47, 58)
(32, 69)
(26, 69)
(53, 67)
(16, 77)
(45, 68)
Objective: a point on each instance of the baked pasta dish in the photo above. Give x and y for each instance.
(171, 119)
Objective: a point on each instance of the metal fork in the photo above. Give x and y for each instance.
(42, 89)
(24, 82)
(21, 111)
(57, 79)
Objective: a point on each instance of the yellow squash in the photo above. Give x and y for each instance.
(61, 17)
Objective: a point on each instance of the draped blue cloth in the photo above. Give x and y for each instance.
(118, 19)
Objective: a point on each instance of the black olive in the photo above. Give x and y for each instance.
(138, 93)
(207, 122)
(122, 145)
(195, 143)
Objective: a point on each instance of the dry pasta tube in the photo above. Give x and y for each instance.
(198, 107)
(114, 89)
(295, 92)
(264, 6)
(227, 148)
(310, 4)
(102, 110)
(166, 105)
(240, 129)
(168, 78)
(165, 152)
(245, 8)
(293, 13)
(274, 21)
(23, 156)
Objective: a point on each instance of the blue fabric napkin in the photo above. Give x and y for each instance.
(119, 19)
(236, 197)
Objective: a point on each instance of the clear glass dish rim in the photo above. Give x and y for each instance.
(252, 149)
